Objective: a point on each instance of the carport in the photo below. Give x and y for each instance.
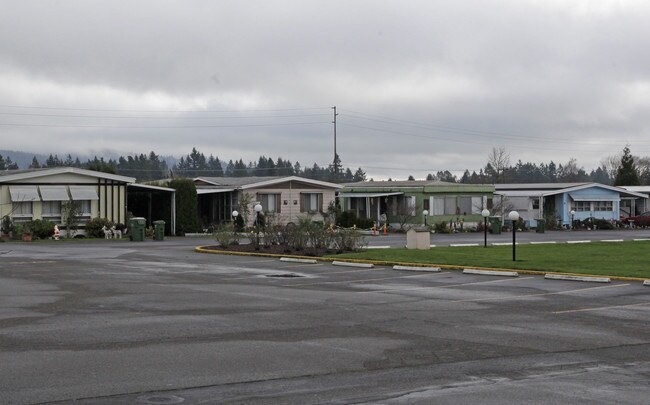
(153, 203)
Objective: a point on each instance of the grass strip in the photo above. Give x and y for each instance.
(625, 259)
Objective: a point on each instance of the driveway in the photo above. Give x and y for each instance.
(112, 322)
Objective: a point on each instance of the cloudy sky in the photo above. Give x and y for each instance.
(420, 86)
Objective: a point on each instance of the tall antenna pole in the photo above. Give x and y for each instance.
(336, 163)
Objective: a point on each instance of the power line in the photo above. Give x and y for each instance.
(161, 111)
(163, 118)
(165, 126)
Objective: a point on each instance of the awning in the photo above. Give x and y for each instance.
(588, 197)
(23, 193)
(365, 195)
(81, 193)
(201, 191)
(54, 193)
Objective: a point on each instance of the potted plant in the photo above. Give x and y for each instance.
(7, 227)
(27, 234)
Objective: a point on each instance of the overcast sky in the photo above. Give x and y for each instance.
(420, 86)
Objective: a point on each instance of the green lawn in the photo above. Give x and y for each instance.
(623, 259)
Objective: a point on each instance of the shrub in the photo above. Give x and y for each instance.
(41, 228)
(441, 227)
(349, 219)
(7, 225)
(94, 227)
(348, 240)
(225, 236)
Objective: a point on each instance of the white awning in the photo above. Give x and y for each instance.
(54, 193)
(201, 191)
(23, 193)
(364, 195)
(596, 197)
(81, 193)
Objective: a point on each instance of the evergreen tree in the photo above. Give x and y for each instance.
(35, 164)
(627, 174)
(359, 175)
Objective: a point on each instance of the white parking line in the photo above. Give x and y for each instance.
(540, 294)
(356, 281)
(443, 286)
(601, 308)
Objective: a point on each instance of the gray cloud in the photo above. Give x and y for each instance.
(421, 86)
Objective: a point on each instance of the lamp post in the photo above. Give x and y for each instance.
(258, 209)
(425, 213)
(572, 215)
(514, 216)
(485, 213)
(235, 214)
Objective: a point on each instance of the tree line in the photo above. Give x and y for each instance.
(148, 167)
(622, 169)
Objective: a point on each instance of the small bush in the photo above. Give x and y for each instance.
(348, 240)
(41, 229)
(94, 227)
(225, 236)
(441, 227)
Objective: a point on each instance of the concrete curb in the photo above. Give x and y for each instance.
(377, 247)
(550, 276)
(612, 240)
(578, 241)
(417, 268)
(491, 272)
(463, 244)
(297, 260)
(352, 264)
(550, 242)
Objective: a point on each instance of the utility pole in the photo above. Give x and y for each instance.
(336, 163)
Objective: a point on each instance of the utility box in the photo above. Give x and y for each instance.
(159, 230)
(541, 226)
(495, 225)
(137, 225)
(418, 238)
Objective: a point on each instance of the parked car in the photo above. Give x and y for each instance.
(639, 220)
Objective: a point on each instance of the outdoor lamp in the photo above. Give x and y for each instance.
(235, 214)
(485, 213)
(258, 209)
(425, 213)
(514, 216)
(573, 212)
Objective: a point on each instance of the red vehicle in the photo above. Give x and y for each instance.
(642, 219)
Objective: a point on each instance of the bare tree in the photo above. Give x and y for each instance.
(499, 159)
(403, 211)
(611, 163)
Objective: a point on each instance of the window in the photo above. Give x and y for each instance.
(22, 211)
(52, 211)
(535, 203)
(311, 202)
(465, 205)
(450, 206)
(425, 205)
(582, 206)
(603, 206)
(438, 206)
(270, 202)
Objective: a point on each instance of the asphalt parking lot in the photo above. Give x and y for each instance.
(116, 322)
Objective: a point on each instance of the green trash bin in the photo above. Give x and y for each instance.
(137, 225)
(541, 226)
(159, 230)
(495, 225)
